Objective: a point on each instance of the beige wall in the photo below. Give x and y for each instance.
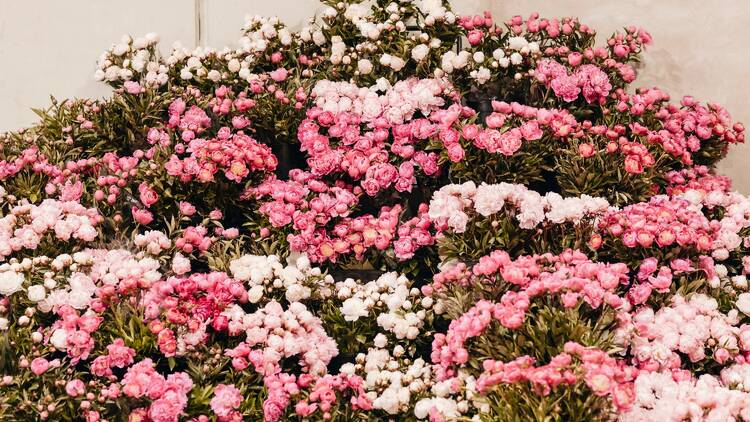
(51, 46)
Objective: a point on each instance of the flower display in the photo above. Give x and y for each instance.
(394, 213)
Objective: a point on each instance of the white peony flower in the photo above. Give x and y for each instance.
(419, 52)
(353, 308)
(397, 63)
(255, 293)
(10, 282)
(59, 339)
(743, 303)
(37, 293)
(517, 43)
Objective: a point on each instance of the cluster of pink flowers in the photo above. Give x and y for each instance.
(189, 305)
(194, 239)
(636, 156)
(32, 158)
(588, 79)
(309, 204)
(605, 375)
(116, 173)
(75, 332)
(236, 153)
(414, 234)
(512, 124)
(652, 277)
(118, 356)
(663, 221)
(393, 141)
(696, 178)
(570, 275)
(682, 129)
(318, 395)
(304, 201)
(685, 128)
(450, 348)
(168, 395)
(27, 225)
(322, 394)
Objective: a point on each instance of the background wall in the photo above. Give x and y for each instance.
(50, 46)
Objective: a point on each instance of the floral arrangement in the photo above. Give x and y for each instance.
(394, 213)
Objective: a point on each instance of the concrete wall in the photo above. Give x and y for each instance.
(51, 46)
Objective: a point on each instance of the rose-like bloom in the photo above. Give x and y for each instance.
(132, 87)
(143, 217)
(364, 67)
(566, 87)
(59, 339)
(71, 191)
(10, 282)
(186, 208)
(510, 142)
(148, 196)
(586, 150)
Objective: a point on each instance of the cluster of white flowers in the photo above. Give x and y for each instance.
(452, 399)
(397, 103)
(117, 268)
(391, 379)
(435, 11)
(153, 241)
(72, 279)
(138, 58)
(264, 274)
(132, 57)
(452, 61)
(661, 397)
(400, 310)
(450, 204)
(260, 30)
(26, 225)
(482, 64)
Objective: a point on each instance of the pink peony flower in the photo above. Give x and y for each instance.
(226, 399)
(143, 217)
(39, 366)
(75, 388)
